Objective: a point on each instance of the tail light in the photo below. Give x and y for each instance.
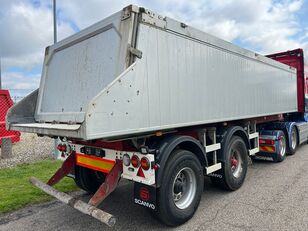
(126, 160)
(135, 161)
(145, 163)
(62, 147)
(269, 142)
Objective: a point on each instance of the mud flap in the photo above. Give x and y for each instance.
(145, 195)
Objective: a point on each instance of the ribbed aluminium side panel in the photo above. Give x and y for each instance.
(190, 82)
(182, 82)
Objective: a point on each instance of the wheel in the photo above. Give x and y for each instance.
(281, 155)
(294, 141)
(88, 179)
(234, 169)
(180, 192)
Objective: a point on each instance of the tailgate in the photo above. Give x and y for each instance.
(79, 67)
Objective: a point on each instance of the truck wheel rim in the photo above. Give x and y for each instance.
(294, 139)
(236, 163)
(184, 188)
(282, 144)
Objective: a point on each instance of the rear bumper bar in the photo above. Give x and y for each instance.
(81, 206)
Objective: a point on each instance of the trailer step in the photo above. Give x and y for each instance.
(81, 206)
(212, 168)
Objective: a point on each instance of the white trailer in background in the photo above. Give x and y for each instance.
(153, 100)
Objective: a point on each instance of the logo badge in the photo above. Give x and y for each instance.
(144, 194)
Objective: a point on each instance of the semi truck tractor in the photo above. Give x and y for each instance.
(152, 100)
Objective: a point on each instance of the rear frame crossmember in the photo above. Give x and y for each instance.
(89, 208)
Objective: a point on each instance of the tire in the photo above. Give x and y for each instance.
(177, 199)
(281, 155)
(294, 141)
(234, 168)
(88, 179)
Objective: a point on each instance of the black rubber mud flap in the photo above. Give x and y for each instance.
(145, 195)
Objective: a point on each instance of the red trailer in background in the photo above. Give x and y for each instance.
(306, 79)
(5, 103)
(295, 58)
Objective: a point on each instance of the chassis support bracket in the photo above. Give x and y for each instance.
(109, 185)
(65, 169)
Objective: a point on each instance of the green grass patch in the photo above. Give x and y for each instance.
(16, 191)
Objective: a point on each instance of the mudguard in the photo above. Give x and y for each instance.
(224, 137)
(168, 144)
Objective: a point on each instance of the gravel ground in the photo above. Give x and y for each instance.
(30, 148)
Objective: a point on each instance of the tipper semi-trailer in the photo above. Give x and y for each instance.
(146, 98)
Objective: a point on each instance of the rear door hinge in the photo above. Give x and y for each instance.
(135, 52)
(127, 11)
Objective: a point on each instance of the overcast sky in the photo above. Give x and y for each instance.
(264, 26)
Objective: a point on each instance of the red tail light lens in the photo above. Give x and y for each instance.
(62, 147)
(135, 161)
(145, 163)
(269, 142)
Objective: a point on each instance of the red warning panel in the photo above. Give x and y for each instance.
(5, 103)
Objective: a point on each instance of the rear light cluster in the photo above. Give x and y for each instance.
(62, 147)
(126, 160)
(136, 162)
(145, 163)
(268, 142)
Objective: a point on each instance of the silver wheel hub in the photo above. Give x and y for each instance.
(184, 188)
(294, 139)
(282, 144)
(236, 163)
